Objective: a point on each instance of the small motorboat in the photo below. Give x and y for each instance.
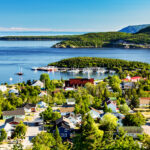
(19, 73)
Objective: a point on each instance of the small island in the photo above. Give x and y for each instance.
(109, 63)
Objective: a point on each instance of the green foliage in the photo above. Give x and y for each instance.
(106, 109)
(124, 109)
(20, 130)
(38, 38)
(49, 116)
(48, 141)
(104, 39)
(47, 82)
(17, 146)
(136, 119)
(3, 135)
(83, 101)
(43, 140)
(90, 136)
(108, 122)
(58, 140)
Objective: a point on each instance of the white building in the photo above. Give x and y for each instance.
(3, 88)
(38, 83)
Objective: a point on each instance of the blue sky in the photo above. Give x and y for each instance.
(72, 15)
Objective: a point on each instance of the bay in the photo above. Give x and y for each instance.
(28, 54)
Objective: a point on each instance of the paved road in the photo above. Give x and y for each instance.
(32, 130)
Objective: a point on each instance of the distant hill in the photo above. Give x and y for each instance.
(134, 28)
(145, 30)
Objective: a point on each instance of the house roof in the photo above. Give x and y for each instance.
(65, 122)
(135, 78)
(13, 119)
(66, 109)
(98, 111)
(18, 111)
(13, 91)
(38, 83)
(28, 106)
(144, 100)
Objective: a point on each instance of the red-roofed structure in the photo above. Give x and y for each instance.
(133, 79)
(78, 82)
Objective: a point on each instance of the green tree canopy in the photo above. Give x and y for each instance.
(108, 122)
(90, 136)
(136, 119)
(20, 130)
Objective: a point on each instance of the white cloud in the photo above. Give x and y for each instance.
(23, 29)
(46, 29)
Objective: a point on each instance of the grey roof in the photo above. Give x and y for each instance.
(18, 111)
(28, 106)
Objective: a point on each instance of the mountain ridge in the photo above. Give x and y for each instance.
(133, 28)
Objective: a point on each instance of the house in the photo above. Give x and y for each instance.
(78, 82)
(38, 83)
(70, 101)
(29, 108)
(13, 121)
(135, 79)
(9, 129)
(144, 101)
(65, 127)
(112, 106)
(3, 88)
(15, 91)
(42, 104)
(127, 85)
(95, 113)
(69, 89)
(75, 119)
(43, 93)
(66, 110)
(10, 124)
(132, 79)
(18, 113)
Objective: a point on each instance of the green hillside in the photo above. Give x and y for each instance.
(116, 64)
(106, 39)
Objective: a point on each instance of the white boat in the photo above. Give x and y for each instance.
(87, 70)
(74, 71)
(34, 68)
(101, 70)
(112, 71)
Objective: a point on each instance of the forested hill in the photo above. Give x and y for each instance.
(38, 38)
(107, 39)
(116, 64)
(145, 30)
(134, 28)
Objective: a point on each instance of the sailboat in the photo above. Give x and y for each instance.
(20, 73)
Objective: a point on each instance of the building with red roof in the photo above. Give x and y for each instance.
(78, 82)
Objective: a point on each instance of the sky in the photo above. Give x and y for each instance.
(72, 15)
